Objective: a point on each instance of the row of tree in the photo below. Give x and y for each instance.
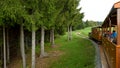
(90, 23)
(38, 14)
(87, 23)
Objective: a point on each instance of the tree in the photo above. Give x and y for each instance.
(8, 51)
(22, 45)
(56, 17)
(52, 12)
(52, 17)
(36, 14)
(4, 46)
(32, 19)
(77, 22)
(13, 12)
(90, 23)
(20, 13)
(70, 14)
(44, 20)
(21, 22)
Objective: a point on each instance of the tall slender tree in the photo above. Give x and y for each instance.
(44, 21)
(20, 13)
(56, 10)
(70, 15)
(4, 46)
(32, 18)
(22, 47)
(8, 51)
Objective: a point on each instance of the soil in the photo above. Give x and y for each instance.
(40, 62)
(45, 62)
(14, 63)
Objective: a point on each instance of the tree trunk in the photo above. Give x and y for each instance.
(1, 54)
(22, 47)
(33, 48)
(52, 37)
(42, 41)
(4, 46)
(70, 32)
(8, 51)
(26, 43)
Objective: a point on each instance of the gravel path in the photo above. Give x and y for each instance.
(98, 59)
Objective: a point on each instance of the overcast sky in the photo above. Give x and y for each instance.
(96, 10)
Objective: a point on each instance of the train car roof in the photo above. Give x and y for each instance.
(112, 16)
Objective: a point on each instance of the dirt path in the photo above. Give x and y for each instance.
(40, 62)
(45, 62)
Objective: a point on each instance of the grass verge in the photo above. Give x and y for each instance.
(78, 53)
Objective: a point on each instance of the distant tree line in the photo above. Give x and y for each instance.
(87, 23)
(92, 23)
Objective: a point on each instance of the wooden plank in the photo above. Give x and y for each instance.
(103, 58)
(118, 26)
(118, 56)
(110, 49)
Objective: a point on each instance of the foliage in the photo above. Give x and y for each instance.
(91, 23)
(49, 13)
(70, 14)
(79, 26)
(36, 13)
(10, 11)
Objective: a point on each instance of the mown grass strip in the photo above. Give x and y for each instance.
(78, 53)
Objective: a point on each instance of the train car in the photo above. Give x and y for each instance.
(96, 33)
(110, 44)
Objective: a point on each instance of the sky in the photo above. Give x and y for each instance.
(96, 10)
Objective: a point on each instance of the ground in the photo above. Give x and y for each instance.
(40, 62)
(66, 54)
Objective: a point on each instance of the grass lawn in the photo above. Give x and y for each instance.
(77, 53)
(84, 32)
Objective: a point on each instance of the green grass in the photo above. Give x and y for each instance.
(78, 53)
(84, 31)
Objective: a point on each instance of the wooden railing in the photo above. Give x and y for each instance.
(110, 52)
(118, 56)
